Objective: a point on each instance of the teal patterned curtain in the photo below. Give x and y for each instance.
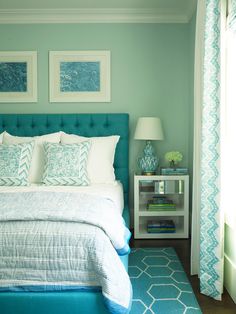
(211, 224)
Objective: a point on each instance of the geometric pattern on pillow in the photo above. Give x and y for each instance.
(66, 164)
(37, 162)
(15, 162)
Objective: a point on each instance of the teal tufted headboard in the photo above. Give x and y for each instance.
(82, 124)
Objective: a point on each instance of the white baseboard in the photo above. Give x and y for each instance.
(230, 277)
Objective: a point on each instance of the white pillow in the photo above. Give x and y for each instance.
(1, 137)
(101, 156)
(38, 158)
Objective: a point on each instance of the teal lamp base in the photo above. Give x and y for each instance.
(148, 163)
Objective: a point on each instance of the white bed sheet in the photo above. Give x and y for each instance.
(113, 191)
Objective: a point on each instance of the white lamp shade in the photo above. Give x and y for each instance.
(149, 128)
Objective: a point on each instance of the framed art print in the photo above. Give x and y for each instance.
(18, 76)
(79, 76)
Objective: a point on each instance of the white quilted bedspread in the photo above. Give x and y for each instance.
(62, 240)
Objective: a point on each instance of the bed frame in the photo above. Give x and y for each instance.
(68, 302)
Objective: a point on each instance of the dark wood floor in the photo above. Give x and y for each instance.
(182, 248)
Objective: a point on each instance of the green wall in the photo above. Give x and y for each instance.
(150, 74)
(192, 26)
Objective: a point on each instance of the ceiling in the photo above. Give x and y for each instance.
(132, 10)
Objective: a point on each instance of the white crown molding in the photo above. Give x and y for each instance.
(35, 16)
(192, 6)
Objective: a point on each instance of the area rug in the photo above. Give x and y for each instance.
(160, 285)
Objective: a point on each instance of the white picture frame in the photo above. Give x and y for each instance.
(79, 76)
(18, 76)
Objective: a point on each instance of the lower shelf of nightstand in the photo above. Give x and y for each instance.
(143, 234)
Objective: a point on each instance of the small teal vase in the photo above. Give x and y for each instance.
(148, 163)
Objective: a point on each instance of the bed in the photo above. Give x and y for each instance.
(88, 125)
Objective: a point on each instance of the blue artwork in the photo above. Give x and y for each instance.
(13, 76)
(80, 76)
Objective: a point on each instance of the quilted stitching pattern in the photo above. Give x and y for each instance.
(15, 163)
(66, 164)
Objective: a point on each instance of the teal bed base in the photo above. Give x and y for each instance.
(68, 302)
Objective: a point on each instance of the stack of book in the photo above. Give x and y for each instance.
(160, 203)
(174, 171)
(161, 226)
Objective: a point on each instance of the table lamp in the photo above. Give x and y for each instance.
(149, 129)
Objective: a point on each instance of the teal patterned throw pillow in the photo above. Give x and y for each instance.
(66, 164)
(15, 162)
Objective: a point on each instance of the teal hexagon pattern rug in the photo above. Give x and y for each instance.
(160, 285)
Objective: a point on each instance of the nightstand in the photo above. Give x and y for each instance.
(161, 206)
